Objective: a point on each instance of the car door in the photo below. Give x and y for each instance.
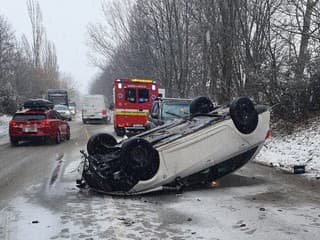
(54, 124)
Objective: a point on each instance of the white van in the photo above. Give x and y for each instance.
(94, 109)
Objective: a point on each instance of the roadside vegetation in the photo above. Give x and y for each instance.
(28, 67)
(268, 50)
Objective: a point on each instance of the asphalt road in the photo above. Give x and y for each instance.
(39, 200)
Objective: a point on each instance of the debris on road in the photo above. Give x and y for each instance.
(298, 169)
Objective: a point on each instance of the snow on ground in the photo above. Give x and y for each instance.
(301, 148)
(4, 124)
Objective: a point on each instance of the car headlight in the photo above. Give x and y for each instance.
(67, 112)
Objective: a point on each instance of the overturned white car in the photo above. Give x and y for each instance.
(202, 147)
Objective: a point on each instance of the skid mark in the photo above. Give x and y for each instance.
(56, 173)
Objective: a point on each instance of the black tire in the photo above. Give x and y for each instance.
(201, 105)
(120, 131)
(140, 159)
(58, 137)
(244, 115)
(84, 121)
(14, 142)
(101, 143)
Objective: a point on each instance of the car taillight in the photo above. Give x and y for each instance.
(44, 122)
(12, 123)
(104, 111)
(268, 134)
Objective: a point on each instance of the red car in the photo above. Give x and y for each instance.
(38, 124)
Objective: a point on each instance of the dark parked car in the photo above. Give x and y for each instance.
(163, 110)
(38, 121)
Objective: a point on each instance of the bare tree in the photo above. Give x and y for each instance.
(35, 16)
(268, 50)
(305, 35)
(7, 67)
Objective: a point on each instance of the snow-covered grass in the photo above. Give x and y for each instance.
(302, 147)
(4, 124)
(4, 128)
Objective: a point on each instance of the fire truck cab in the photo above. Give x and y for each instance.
(132, 100)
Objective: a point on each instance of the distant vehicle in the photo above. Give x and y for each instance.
(73, 108)
(94, 108)
(64, 111)
(163, 110)
(58, 96)
(38, 121)
(132, 100)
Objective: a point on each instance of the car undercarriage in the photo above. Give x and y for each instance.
(207, 145)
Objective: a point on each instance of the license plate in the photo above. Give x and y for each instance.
(28, 130)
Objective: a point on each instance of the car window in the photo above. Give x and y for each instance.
(143, 95)
(131, 95)
(60, 108)
(174, 110)
(29, 117)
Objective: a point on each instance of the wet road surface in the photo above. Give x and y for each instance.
(39, 200)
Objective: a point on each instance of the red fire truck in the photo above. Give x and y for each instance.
(132, 100)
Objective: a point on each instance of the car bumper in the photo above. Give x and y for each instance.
(30, 138)
(66, 115)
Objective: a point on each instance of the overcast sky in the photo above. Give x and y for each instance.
(65, 22)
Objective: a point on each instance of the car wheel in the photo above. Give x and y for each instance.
(201, 105)
(101, 143)
(58, 137)
(244, 115)
(14, 142)
(140, 159)
(84, 121)
(120, 131)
